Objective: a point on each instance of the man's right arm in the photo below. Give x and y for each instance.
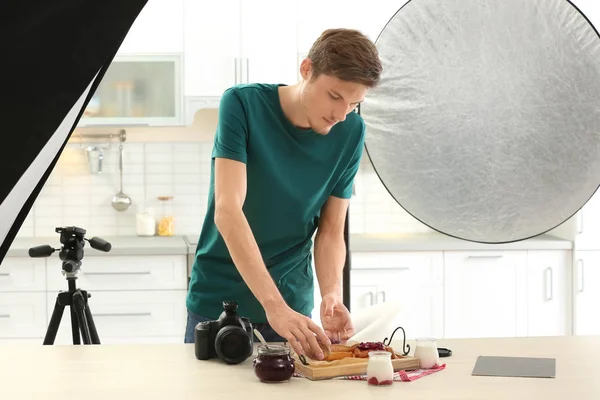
(230, 193)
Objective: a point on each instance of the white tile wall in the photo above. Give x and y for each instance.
(73, 196)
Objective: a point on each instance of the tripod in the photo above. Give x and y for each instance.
(82, 322)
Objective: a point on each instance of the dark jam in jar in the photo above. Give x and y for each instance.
(274, 364)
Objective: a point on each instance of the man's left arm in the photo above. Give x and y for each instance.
(330, 248)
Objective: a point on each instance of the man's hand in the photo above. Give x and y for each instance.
(300, 331)
(335, 318)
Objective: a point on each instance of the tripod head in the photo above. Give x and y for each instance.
(71, 254)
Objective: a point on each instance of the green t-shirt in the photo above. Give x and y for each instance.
(291, 172)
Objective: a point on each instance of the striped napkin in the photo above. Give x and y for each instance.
(399, 376)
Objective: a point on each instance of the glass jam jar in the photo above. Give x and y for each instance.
(380, 371)
(274, 363)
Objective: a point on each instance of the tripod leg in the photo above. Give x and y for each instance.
(79, 306)
(54, 323)
(75, 327)
(92, 325)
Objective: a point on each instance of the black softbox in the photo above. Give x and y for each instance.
(53, 56)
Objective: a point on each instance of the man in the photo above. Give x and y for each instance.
(284, 162)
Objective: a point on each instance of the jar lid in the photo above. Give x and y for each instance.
(273, 350)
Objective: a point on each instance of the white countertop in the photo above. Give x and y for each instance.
(170, 371)
(184, 245)
(120, 245)
(439, 242)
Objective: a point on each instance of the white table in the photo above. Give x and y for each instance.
(171, 372)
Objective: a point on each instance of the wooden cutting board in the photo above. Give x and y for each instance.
(319, 370)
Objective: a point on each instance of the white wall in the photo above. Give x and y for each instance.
(170, 162)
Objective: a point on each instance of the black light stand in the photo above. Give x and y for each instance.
(347, 264)
(82, 322)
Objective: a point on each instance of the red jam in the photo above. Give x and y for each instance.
(373, 381)
(274, 364)
(375, 346)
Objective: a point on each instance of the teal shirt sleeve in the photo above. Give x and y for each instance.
(343, 188)
(231, 136)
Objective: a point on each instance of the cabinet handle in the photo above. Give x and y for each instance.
(5, 274)
(486, 256)
(581, 277)
(551, 281)
(119, 273)
(371, 296)
(383, 295)
(580, 220)
(140, 314)
(247, 70)
(235, 68)
(4, 315)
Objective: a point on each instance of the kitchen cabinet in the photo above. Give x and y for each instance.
(507, 293)
(588, 228)
(125, 316)
(22, 315)
(586, 292)
(212, 46)
(157, 29)
(134, 299)
(548, 292)
(485, 293)
(268, 41)
(352, 14)
(22, 299)
(237, 41)
(482, 293)
(412, 280)
(138, 90)
(232, 42)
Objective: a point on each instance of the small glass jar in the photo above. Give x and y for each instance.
(274, 363)
(380, 371)
(427, 353)
(166, 224)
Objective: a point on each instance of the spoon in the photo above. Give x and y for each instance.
(261, 338)
(121, 201)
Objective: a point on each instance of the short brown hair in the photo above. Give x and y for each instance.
(346, 54)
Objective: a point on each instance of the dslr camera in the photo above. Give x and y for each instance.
(229, 338)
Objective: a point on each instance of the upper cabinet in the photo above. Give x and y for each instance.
(212, 46)
(268, 34)
(138, 90)
(238, 41)
(158, 29)
(181, 55)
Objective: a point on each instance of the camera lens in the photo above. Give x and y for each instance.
(233, 344)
